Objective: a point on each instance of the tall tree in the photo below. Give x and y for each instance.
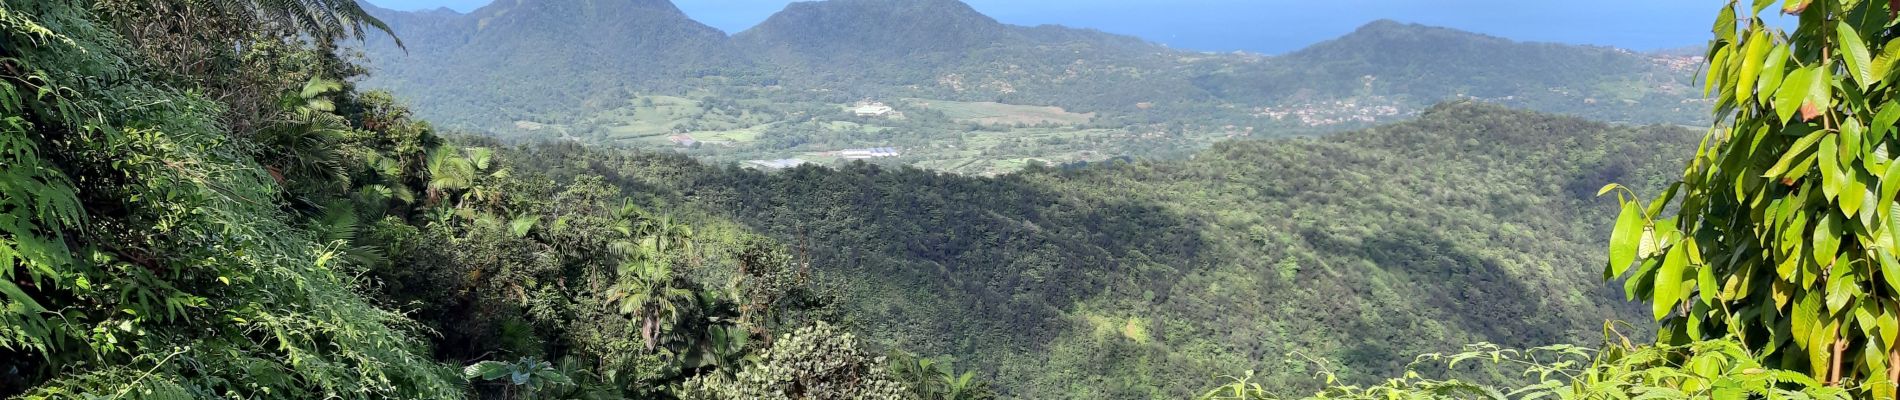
(656, 295)
(1784, 227)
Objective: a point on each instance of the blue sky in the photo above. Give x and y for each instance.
(1278, 26)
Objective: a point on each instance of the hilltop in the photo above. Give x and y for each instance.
(515, 58)
(940, 43)
(865, 32)
(1412, 63)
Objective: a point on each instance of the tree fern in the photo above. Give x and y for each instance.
(189, 283)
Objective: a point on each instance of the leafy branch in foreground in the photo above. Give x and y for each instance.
(1784, 232)
(1720, 369)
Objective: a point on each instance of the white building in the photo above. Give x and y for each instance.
(872, 109)
(875, 152)
(776, 164)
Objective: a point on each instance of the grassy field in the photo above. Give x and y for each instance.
(738, 133)
(991, 153)
(653, 118)
(992, 113)
(741, 135)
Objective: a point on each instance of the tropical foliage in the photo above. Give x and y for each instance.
(937, 380)
(1783, 228)
(1770, 263)
(146, 253)
(1718, 369)
(248, 225)
(528, 377)
(814, 362)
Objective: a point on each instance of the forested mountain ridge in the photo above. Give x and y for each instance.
(515, 55)
(863, 32)
(943, 44)
(1391, 58)
(1151, 279)
(830, 54)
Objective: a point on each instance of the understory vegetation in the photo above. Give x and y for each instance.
(212, 211)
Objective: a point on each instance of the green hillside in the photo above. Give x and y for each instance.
(945, 49)
(1410, 63)
(1152, 279)
(226, 218)
(518, 59)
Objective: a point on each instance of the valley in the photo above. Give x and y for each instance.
(1151, 279)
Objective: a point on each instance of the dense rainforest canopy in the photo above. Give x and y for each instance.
(211, 211)
(197, 201)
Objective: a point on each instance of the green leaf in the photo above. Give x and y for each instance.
(1607, 188)
(1830, 163)
(1820, 91)
(1625, 239)
(1802, 318)
(1851, 134)
(1718, 72)
(1706, 284)
(480, 156)
(1827, 238)
(1771, 74)
(519, 377)
(1793, 90)
(1668, 288)
(1854, 51)
(1890, 184)
(1794, 153)
(1752, 56)
(1893, 222)
(520, 226)
(1889, 269)
(1889, 326)
(1884, 121)
(1883, 64)
(1794, 6)
(1724, 28)
(1853, 194)
(1821, 345)
(19, 296)
(1841, 285)
(485, 370)
(1792, 235)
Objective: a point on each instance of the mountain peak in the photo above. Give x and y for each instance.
(601, 8)
(1385, 24)
(953, 6)
(1388, 35)
(875, 28)
(1407, 31)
